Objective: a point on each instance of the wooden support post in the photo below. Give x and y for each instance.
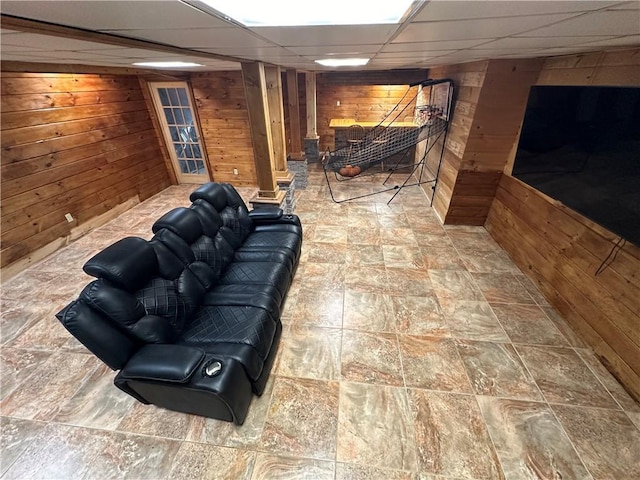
(294, 114)
(255, 88)
(312, 129)
(276, 115)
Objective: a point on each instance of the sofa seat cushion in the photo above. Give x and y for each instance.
(279, 227)
(273, 255)
(259, 296)
(258, 273)
(269, 240)
(249, 330)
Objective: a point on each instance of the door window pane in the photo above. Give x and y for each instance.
(184, 100)
(164, 97)
(183, 166)
(174, 134)
(169, 116)
(173, 95)
(177, 112)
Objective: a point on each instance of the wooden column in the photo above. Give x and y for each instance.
(294, 113)
(312, 130)
(255, 87)
(276, 115)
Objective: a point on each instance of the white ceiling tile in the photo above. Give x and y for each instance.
(198, 37)
(5, 31)
(113, 14)
(327, 35)
(445, 45)
(627, 6)
(607, 22)
(237, 50)
(456, 10)
(475, 29)
(336, 49)
(535, 42)
(414, 55)
(629, 40)
(130, 52)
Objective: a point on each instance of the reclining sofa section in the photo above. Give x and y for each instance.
(191, 318)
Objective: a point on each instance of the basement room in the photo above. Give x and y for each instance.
(349, 240)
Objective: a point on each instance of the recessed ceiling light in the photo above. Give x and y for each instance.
(285, 13)
(343, 62)
(167, 64)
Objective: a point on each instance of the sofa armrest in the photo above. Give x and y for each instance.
(266, 215)
(163, 363)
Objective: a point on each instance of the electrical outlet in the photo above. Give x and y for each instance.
(69, 217)
(235, 171)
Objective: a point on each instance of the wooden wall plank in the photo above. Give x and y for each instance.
(72, 143)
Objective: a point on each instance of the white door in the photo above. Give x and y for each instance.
(179, 127)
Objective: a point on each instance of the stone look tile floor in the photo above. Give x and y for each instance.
(409, 351)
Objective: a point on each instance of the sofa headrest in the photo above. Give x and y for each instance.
(210, 219)
(128, 263)
(233, 197)
(181, 221)
(212, 193)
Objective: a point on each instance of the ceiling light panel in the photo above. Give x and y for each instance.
(343, 62)
(283, 13)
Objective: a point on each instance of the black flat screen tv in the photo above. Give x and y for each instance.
(581, 146)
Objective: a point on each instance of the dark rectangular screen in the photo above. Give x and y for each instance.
(581, 146)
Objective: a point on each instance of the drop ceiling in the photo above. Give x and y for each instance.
(439, 32)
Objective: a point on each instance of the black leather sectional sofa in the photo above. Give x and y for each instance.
(191, 318)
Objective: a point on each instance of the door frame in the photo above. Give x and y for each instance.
(166, 133)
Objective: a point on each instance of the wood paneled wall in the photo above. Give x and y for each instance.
(222, 108)
(561, 250)
(468, 80)
(363, 96)
(71, 143)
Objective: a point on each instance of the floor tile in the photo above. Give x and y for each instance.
(363, 236)
(318, 307)
(302, 419)
(269, 467)
(366, 279)
(528, 324)
(478, 239)
(502, 288)
(322, 276)
(59, 377)
(16, 365)
(152, 420)
(451, 436)
(207, 462)
(326, 252)
(365, 256)
(227, 434)
(398, 236)
(368, 311)
(432, 363)
(610, 383)
(125, 456)
(442, 258)
(561, 324)
(403, 256)
(58, 451)
(479, 261)
(530, 441)
(401, 281)
(419, 315)
(351, 471)
(371, 358)
(495, 369)
(472, 320)
(532, 289)
(15, 437)
(454, 285)
(606, 440)
(330, 234)
(564, 378)
(375, 427)
(311, 352)
(98, 403)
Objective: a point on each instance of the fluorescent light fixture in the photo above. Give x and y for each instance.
(167, 64)
(285, 13)
(343, 62)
